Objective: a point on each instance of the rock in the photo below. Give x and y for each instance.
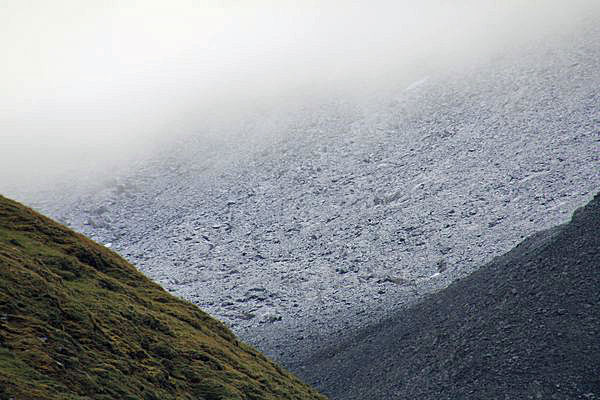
(258, 294)
(270, 317)
(445, 250)
(100, 210)
(441, 265)
(395, 279)
(247, 316)
(96, 223)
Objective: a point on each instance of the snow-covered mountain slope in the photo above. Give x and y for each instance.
(351, 208)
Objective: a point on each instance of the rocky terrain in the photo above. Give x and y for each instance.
(302, 226)
(79, 322)
(525, 326)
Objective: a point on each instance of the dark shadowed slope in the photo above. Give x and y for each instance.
(525, 326)
(79, 322)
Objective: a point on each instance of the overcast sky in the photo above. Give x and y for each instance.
(95, 81)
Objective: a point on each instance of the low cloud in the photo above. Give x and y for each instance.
(88, 84)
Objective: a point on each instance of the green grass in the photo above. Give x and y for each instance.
(79, 322)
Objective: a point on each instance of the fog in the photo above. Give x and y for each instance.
(89, 84)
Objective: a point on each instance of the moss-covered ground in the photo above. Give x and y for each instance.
(79, 322)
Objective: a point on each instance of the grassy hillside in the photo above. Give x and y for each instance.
(79, 322)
